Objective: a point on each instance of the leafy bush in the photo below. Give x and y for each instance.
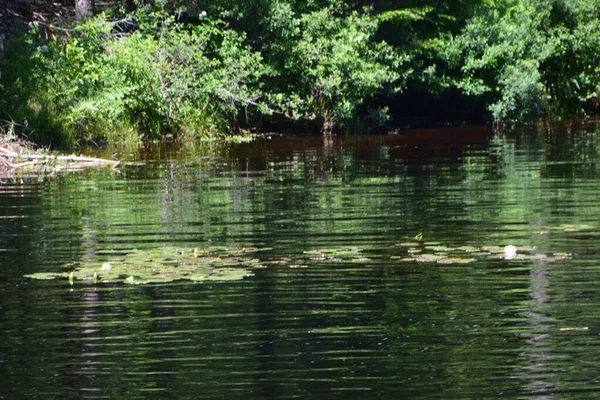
(335, 66)
(178, 69)
(525, 57)
(173, 79)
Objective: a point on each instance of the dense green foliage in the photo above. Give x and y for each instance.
(153, 81)
(526, 57)
(333, 66)
(207, 68)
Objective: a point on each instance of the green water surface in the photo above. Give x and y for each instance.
(357, 268)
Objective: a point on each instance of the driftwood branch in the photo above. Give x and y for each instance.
(73, 158)
(8, 153)
(14, 158)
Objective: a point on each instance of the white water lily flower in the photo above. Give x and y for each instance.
(510, 252)
(106, 267)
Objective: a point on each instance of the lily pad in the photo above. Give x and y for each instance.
(163, 265)
(47, 275)
(337, 255)
(568, 227)
(455, 260)
(468, 249)
(221, 274)
(439, 248)
(427, 257)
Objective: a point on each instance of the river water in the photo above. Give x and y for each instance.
(450, 263)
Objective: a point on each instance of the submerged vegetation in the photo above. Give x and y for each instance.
(133, 69)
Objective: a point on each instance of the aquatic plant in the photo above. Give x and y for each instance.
(162, 265)
(234, 263)
(198, 264)
(341, 254)
(442, 254)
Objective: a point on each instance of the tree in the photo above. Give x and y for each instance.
(335, 66)
(327, 63)
(524, 58)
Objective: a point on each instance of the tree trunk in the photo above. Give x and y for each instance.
(84, 9)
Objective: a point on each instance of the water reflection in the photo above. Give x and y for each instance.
(538, 353)
(379, 326)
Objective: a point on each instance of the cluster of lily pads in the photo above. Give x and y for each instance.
(441, 254)
(344, 254)
(418, 250)
(163, 265)
(563, 227)
(168, 264)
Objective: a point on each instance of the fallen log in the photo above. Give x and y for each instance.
(14, 156)
(8, 153)
(73, 159)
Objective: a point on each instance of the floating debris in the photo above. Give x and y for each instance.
(19, 155)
